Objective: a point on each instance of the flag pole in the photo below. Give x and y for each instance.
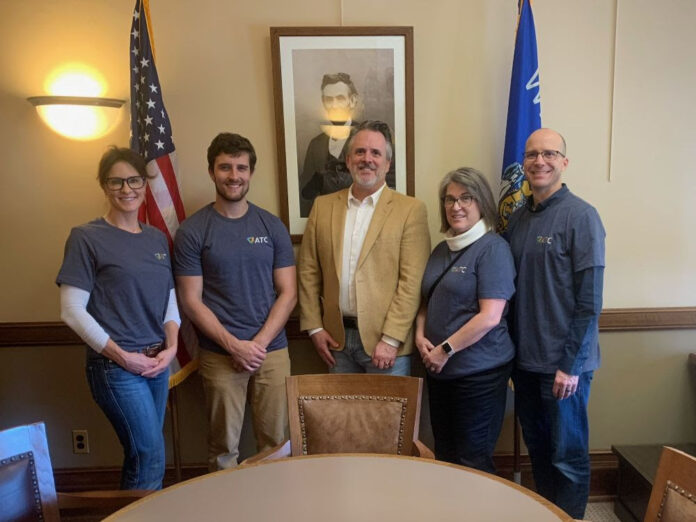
(151, 137)
(516, 456)
(176, 439)
(523, 118)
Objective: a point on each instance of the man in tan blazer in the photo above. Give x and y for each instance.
(360, 265)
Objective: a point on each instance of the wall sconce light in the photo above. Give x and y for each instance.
(83, 116)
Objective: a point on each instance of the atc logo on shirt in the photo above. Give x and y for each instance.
(459, 269)
(160, 256)
(544, 240)
(257, 240)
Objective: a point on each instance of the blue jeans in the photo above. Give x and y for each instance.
(135, 407)
(557, 435)
(354, 359)
(466, 414)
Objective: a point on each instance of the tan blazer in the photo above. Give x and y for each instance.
(387, 277)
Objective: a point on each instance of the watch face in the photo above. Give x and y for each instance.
(447, 348)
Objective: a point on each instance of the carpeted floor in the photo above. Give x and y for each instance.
(601, 512)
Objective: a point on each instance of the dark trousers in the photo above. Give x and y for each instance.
(557, 436)
(466, 414)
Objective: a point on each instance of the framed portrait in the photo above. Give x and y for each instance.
(327, 80)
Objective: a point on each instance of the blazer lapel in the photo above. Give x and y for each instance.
(384, 207)
(338, 225)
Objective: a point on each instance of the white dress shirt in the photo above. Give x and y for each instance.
(358, 218)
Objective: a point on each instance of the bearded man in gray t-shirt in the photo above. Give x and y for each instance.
(235, 274)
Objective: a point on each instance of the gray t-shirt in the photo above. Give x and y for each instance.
(563, 236)
(236, 258)
(128, 276)
(484, 271)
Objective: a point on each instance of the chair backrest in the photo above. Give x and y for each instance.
(27, 490)
(673, 497)
(350, 413)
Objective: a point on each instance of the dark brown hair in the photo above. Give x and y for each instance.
(115, 154)
(232, 144)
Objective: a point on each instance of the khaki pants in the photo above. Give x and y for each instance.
(225, 396)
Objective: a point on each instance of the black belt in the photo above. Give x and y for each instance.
(152, 350)
(350, 322)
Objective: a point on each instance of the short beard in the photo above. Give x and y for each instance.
(363, 184)
(224, 196)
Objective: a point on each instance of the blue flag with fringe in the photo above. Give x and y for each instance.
(524, 115)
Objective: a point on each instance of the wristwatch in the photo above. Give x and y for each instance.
(447, 348)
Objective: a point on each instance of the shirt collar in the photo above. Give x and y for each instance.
(551, 200)
(371, 199)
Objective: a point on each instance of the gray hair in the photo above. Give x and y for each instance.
(375, 126)
(478, 187)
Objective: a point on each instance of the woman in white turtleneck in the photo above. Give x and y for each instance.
(461, 331)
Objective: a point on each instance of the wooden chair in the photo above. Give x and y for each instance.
(351, 413)
(673, 497)
(27, 489)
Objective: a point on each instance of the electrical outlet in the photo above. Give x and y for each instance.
(80, 441)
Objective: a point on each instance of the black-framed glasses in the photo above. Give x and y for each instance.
(464, 200)
(134, 182)
(548, 155)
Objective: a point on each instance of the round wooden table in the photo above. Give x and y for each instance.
(334, 488)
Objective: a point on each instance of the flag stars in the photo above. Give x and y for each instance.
(136, 14)
(146, 97)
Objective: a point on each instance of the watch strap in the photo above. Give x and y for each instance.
(447, 347)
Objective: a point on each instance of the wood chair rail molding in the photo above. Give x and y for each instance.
(627, 319)
(611, 320)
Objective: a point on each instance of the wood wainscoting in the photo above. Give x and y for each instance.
(604, 465)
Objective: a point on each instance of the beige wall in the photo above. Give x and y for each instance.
(631, 122)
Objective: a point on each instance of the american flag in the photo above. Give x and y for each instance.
(151, 137)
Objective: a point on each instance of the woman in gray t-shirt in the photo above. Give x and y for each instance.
(461, 332)
(117, 294)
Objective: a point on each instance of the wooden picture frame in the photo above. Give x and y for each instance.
(326, 80)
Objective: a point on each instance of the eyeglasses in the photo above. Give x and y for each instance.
(134, 182)
(464, 201)
(548, 155)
